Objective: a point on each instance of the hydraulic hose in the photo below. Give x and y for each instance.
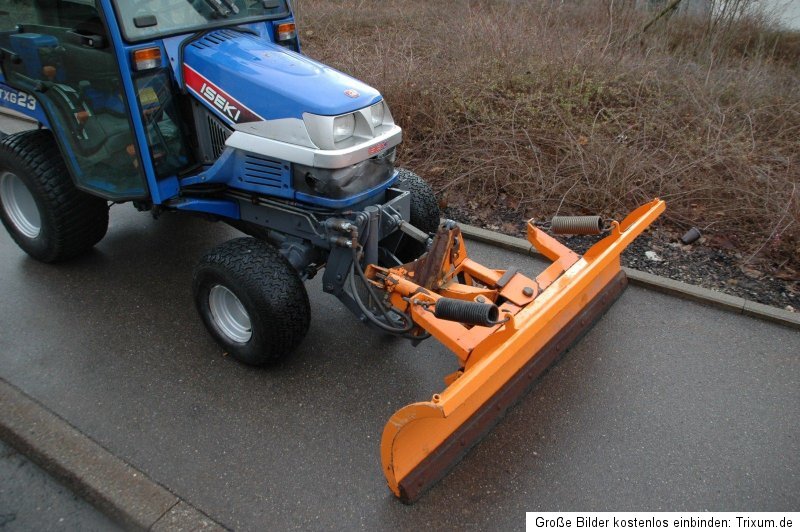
(356, 269)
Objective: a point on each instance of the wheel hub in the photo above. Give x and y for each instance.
(229, 314)
(19, 205)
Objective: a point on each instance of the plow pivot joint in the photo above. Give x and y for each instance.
(468, 312)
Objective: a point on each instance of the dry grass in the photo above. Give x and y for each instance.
(542, 106)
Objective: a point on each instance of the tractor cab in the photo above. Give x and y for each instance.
(60, 51)
(106, 78)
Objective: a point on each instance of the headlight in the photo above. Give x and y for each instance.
(344, 127)
(377, 111)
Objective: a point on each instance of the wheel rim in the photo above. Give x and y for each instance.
(19, 205)
(229, 314)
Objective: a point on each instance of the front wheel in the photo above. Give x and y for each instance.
(251, 300)
(425, 214)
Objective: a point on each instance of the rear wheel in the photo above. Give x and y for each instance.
(251, 300)
(45, 214)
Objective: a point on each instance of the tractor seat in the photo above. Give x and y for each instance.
(106, 133)
(101, 132)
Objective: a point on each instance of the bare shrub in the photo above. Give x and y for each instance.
(544, 105)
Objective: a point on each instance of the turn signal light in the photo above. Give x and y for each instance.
(146, 58)
(286, 31)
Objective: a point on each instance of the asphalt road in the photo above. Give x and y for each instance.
(31, 500)
(663, 405)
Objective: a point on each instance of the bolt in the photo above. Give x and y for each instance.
(528, 291)
(480, 299)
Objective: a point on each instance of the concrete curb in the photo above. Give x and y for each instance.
(114, 487)
(671, 287)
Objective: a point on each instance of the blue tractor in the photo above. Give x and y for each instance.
(208, 107)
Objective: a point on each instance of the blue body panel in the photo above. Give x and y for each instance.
(217, 207)
(250, 172)
(274, 82)
(272, 177)
(28, 45)
(21, 102)
(172, 45)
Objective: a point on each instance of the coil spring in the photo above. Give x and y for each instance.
(577, 225)
(485, 314)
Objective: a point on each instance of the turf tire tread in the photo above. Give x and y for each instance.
(268, 286)
(72, 220)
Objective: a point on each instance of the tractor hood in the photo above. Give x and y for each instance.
(247, 79)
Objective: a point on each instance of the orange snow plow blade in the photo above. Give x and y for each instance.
(534, 321)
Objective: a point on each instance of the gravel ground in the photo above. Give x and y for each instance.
(709, 267)
(659, 251)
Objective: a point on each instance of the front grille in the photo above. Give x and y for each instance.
(218, 133)
(265, 172)
(211, 133)
(215, 38)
